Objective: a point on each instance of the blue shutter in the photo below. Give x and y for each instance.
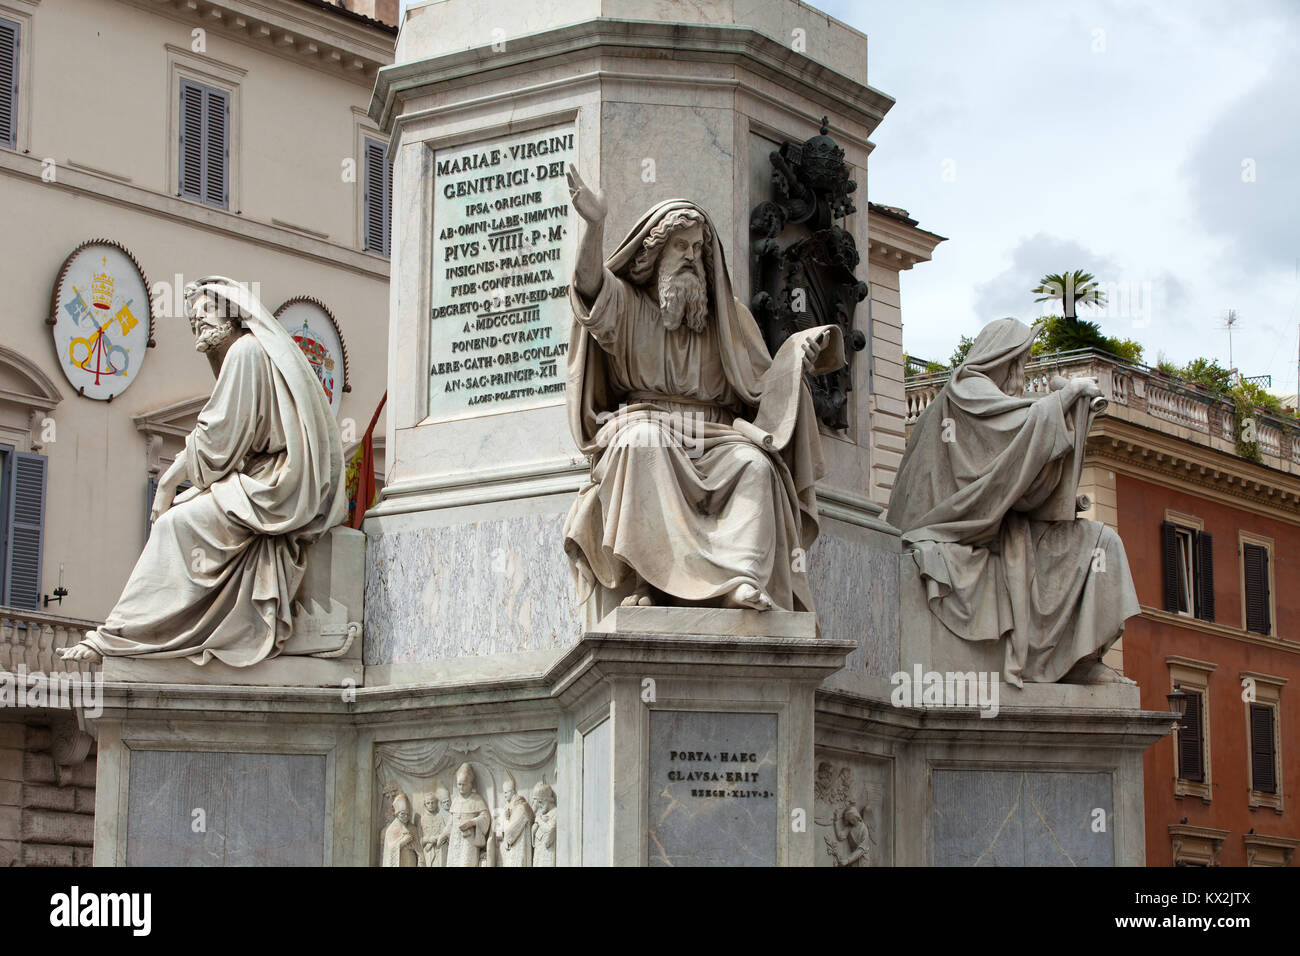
(216, 147)
(8, 83)
(377, 197)
(204, 152)
(26, 531)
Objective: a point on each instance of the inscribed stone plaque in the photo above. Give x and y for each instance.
(1022, 818)
(198, 808)
(713, 782)
(502, 257)
(596, 788)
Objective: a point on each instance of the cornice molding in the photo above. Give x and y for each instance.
(1158, 616)
(195, 215)
(896, 245)
(296, 31)
(599, 37)
(1185, 466)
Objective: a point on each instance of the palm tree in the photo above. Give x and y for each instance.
(1070, 288)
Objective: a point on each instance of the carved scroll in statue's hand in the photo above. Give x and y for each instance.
(815, 351)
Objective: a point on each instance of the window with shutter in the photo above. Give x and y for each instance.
(1191, 762)
(1204, 576)
(1258, 610)
(25, 529)
(1169, 556)
(1264, 749)
(204, 173)
(377, 197)
(9, 36)
(1188, 558)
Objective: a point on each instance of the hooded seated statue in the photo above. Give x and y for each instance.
(704, 448)
(986, 500)
(224, 558)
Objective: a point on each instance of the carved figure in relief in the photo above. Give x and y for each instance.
(435, 826)
(705, 449)
(471, 822)
(850, 828)
(514, 829)
(401, 848)
(545, 816)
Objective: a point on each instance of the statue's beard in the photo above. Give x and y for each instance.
(214, 336)
(683, 295)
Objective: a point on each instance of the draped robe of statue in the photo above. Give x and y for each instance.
(433, 824)
(221, 567)
(985, 497)
(543, 836)
(682, 490)
(516, 843)
(466, 848)
(401, 848)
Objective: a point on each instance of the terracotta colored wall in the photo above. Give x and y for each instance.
(1147, 643)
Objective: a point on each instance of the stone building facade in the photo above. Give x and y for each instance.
(93, 146)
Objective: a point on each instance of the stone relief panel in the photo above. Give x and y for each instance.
(853, 811)
(484, 800)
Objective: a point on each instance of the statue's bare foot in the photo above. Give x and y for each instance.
(1094, 672)
(640, 597)
(81, 652)
(748, 596)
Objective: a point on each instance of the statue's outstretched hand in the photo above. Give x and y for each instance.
(1082, 387)
(812, 348)
(162, 500)
(589, 203)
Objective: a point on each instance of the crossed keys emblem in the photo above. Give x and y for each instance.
(98, 348)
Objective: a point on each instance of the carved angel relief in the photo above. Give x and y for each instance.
(479, 801)
(845, 818)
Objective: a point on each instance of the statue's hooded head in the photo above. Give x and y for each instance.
(677, 257)
(1000, 353)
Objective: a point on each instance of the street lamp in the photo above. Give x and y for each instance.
(1178, 703)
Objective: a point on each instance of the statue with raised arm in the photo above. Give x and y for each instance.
(224, 559)
(986, 498)
(705, 449)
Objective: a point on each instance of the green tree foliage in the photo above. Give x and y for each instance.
(1071, 288)
(1058, 334)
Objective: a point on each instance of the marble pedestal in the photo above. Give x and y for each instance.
(692, 736)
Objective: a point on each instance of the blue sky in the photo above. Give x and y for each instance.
(1119, 138)
(1154, 144)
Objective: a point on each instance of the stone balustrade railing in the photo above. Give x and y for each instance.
(30, 639)
(1142, 390)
